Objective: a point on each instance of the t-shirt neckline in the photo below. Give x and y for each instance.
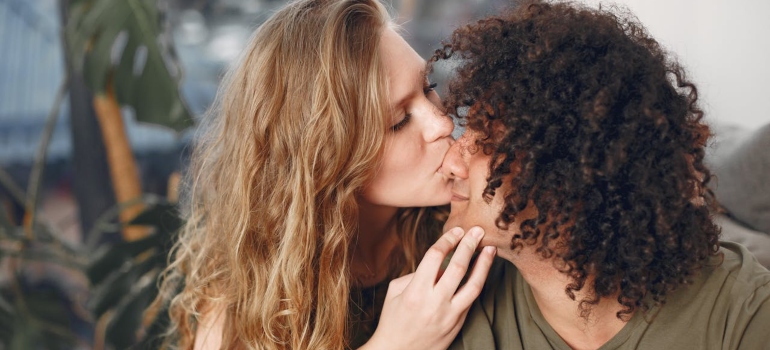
(555, 339)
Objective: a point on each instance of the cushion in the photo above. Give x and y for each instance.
(741, 165)
(758, 243)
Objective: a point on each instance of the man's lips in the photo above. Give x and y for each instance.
(457, 197)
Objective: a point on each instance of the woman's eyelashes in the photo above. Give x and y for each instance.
(427, 89)
(401, 124)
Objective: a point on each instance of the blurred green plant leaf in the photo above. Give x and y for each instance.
(162, 216)
(153, 338)
(7, 318)
(40, 321)
(110, 259)
(125, 277)
(6, 228)
(129, 312)
(122, 42)
(117, 284)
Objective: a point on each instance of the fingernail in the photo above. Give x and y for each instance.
(490, 250)
(458, 232)
(477, 232)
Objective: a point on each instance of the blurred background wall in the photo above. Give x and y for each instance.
(725, 47)
(722, 44)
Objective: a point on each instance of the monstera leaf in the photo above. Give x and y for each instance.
(40, 323)
(124, 277)
(6, 228)
(121, 43)
(36, 313)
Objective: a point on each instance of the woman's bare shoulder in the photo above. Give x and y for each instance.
(208, 335)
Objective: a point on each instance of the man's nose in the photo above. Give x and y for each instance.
(455, 165)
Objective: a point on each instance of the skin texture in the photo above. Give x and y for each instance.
(430, 296)
(425, 309)
(307, 188)
(469, 168)
(408, 175)
(586, 152)
(608, 139)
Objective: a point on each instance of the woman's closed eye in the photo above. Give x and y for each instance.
(427, 89)
(401, 124)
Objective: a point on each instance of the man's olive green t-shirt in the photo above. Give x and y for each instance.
(726, 307)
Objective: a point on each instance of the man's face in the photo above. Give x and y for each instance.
(469, 167)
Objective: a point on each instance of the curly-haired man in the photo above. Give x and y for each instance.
(583, 162)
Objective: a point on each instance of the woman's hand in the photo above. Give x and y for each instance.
(425, 309)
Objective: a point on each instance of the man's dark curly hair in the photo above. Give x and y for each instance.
(607, 142)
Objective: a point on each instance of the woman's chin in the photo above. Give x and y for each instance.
(444, 199)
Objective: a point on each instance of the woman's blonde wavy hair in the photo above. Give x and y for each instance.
(271, 208)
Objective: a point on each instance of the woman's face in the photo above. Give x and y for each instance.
(419, 134)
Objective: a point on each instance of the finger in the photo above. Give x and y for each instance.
(458, 266)
(431, 263)
(472, 288)
(397, 286)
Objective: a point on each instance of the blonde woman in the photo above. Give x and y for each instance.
(308, 191)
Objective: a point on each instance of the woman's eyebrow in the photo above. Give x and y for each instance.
(422, 78)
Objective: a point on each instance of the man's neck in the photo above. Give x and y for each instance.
(563, 314)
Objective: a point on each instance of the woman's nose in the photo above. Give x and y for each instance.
(439, 125)
(455, 165)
